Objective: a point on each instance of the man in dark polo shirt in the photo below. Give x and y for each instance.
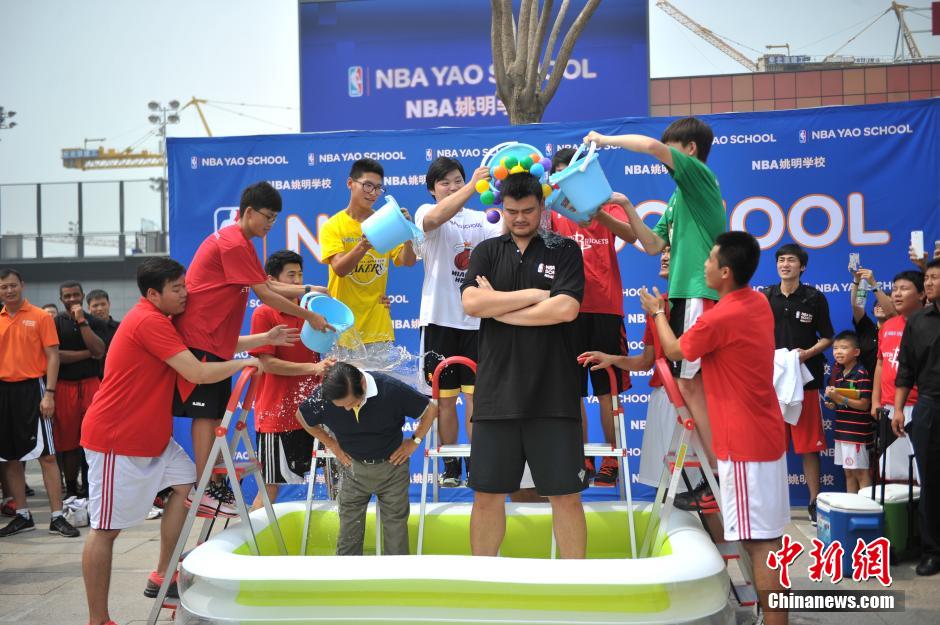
(365, 413)
(801, 321)
(526, 286)
(81, 347)
(99, 305)
(919, 365)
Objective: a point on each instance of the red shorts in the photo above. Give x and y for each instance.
(807, 435)
(72, 399)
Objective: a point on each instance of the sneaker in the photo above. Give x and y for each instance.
(811, 510)
(589, 468)
(450, 478)
(19, 524)
(607, 476)
(218, 500)
(699, 499)
(8, 508)
(62, 527)
(155, 581)
(155, 513)
(30, 492)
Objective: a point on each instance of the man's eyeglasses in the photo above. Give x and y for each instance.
(369, 187)
(271, 217)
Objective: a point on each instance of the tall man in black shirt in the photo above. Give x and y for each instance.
(801, 321)
(919, 364)
(81, 346)
(526, 287)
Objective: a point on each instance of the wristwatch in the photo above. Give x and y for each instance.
(416, 439)
(307, 288)
(82, 323)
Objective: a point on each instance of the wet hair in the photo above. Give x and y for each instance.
(366, 166)
(740, 252)
(260, 195)
(154, 273)
(278, 260)
(442, 166)
(6, 272)
(914, 277)
(792, 249)
(847, 335)
(562, 157)
(342, 379)
(520, 186)
(96, 294)
(687, 130)
(71, 284)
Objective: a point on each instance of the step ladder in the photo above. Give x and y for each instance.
(433, 450)
(685, 452)
(222, 462)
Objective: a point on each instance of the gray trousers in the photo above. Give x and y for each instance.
(389, 483)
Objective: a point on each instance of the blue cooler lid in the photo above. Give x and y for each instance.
(847, 502)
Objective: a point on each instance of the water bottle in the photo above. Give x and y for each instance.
(861, 293)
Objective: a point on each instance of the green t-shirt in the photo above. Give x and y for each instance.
(693, 219)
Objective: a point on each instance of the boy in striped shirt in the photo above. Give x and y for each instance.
(855, 429)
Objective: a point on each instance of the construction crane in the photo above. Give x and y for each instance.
(905, 32)
(109, 158)
(706, 34)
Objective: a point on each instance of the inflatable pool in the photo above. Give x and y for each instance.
(685, 582)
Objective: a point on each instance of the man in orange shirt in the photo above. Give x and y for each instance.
(29, 350)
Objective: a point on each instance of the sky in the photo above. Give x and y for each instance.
(81, 70)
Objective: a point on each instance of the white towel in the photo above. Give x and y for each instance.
(790, 375)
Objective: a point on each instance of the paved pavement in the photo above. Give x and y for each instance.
(41, 578)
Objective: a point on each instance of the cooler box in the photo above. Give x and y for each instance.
(897, 519)
(846, 517)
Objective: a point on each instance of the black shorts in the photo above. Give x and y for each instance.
(207, 401)
(602, 333)
(285, 456)
(553, 447)
(440, 342)
(22, 428)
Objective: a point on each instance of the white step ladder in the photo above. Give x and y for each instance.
(236, 415)
(433, 450)
(677, 459)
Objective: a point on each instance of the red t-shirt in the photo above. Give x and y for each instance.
(603, 291)
(889, 343)
(735, 340)
(131, 412)
(223, 269)
(650, 337)
(278, 396)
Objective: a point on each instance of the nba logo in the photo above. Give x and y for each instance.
(803, 136)
(355, 81)
(193, 162)
(548, 149)
(311, 159)
(224, 216)
(429, 154)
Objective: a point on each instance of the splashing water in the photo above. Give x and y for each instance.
(384, 356)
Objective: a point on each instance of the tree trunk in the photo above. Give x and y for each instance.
(521, 58)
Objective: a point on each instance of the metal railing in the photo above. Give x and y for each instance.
(83, 220)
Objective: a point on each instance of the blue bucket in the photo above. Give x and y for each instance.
(583, 184)
(387, 228)
(337, 315)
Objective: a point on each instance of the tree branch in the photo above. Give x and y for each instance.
(507, 33)
(535, 44)
(567, 47)
(496, 43)
(518, 68)
(547, 55)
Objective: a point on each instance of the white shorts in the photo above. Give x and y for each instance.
(755, 499)
(897, 454)
(851, 455)
(660, 425)
(121, 488)
(694, 307)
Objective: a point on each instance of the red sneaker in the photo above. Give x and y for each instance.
(607, 476)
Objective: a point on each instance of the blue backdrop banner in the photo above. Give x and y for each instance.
(351, 76)
(834, 180)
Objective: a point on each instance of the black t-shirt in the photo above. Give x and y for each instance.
(530, 371)
(377, 432)
(70, 339)
(800, 320)
(112, 327)
(867, 333)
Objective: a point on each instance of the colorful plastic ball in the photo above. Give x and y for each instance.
(498, 183)
(487, 198)
(526, 162)
(537, 170)
(482, 186)
(546, 190)
(536, 157)
(500, 172)
(492, 216)
(510, 162)
(517, 170)
(546, 163)
(497, 198)
(502, 162)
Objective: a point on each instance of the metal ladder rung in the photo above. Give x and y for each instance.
(240, 468)
(603, 449)
(745, 593)
(449, 451)
(171, 603)
(691, 461)
(728, 551)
